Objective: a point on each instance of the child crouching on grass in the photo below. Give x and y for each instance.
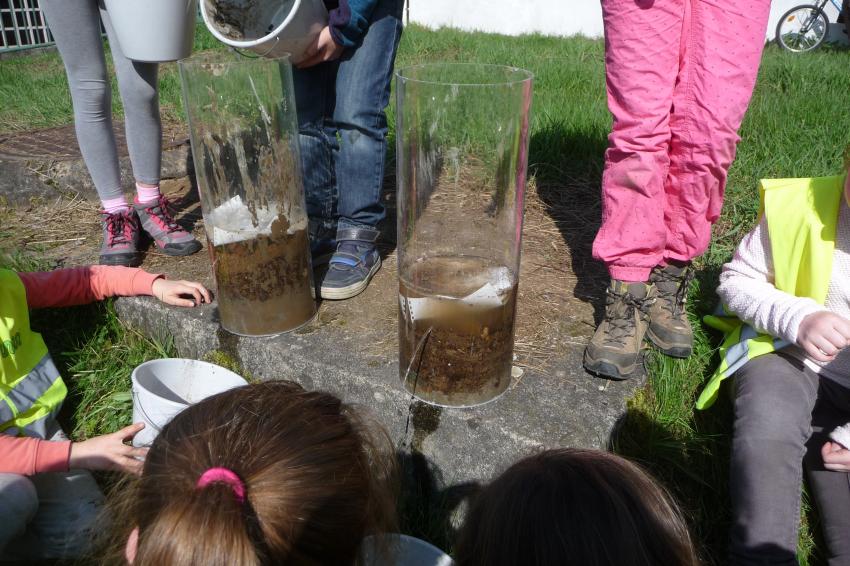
(789, 287)
(261, 475)
(48, 499)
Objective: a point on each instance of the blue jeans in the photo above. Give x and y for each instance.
(343, 127)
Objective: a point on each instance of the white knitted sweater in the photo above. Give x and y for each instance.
(746, 288)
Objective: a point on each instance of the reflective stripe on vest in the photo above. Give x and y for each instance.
(802, 216)
(31, 390)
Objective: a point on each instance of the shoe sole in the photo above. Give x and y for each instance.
(120, 261)
(609, 370)
(669, 349)
(188, 250)
(339, 293)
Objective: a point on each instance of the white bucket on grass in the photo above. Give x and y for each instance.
(163, 388)
(270, 28)
(154, 30)
(402, 549)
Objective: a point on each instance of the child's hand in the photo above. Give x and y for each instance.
(108, 452)
(171, 292)
(823, 334)
(835, 457)
(324, 48)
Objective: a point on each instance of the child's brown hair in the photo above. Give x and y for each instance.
(317, 478)
(575, 507)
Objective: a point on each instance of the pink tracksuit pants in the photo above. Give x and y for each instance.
(680, 74)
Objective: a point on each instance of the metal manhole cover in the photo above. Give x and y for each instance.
(60, 144)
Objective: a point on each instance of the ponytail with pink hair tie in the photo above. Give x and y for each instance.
(226, 476)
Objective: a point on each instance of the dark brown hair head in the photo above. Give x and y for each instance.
(575, 508)
(317, 476)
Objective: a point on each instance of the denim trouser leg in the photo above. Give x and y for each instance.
(314, 101)
(359, 121)
(778, 405)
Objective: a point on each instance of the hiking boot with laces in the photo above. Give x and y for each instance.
(614, 350)
(120, 239)
(353, 265)
(160, 225)
(669, 328)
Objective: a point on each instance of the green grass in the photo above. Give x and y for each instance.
(95, 353)
(797, 125)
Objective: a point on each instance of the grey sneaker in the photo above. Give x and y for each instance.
(120, 239)
(160, 225)
(353, 265)
(614, 349)
(669, 328)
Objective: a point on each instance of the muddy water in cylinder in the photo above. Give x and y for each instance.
(456, 330)
(265, 284)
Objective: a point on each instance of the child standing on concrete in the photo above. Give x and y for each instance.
(48, 499)
(342, 90)
(789, 287)
(75, 25)
(680, 75)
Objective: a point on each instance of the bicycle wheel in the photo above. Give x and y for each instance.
(802, 28)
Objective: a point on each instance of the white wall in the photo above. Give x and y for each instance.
(551, 17)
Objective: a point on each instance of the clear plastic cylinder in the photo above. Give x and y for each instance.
(462, 148)
(244, 135)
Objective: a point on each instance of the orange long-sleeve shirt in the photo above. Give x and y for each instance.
(62, 288)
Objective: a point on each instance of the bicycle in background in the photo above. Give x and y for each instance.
(804, 28)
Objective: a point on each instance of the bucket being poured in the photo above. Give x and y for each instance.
(154, 31)
(270, 28)
(163, 388)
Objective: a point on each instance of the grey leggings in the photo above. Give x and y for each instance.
(75, 25)
(783, 414)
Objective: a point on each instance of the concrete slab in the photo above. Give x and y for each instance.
(559, 406)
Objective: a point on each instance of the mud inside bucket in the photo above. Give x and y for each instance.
(163, 388)
(245, 20)
(270, 28)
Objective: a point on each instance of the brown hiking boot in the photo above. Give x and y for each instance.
(614, 349)
(670, 330)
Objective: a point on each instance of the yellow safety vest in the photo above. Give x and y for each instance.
(31, 390)
(802, 215)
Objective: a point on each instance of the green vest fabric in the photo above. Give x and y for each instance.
(31, 390)
(802, 216)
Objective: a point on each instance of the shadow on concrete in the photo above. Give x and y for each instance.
(428, 509)
(567, 166)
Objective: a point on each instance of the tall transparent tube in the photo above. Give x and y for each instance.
(245, 147)
(462, 146)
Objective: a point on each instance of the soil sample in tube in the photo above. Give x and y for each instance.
(265, 281)
(456, 330)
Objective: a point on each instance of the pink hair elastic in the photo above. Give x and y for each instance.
(223, 475)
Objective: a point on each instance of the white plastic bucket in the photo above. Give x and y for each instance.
(402, 549)
(270, 28)
(154, 30)
(163, 388)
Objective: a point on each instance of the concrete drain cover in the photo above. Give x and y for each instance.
(60, 144)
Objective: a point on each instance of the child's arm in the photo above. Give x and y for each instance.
(81, 285)
(28, 456)
(747, 289)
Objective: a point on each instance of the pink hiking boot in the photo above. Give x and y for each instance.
(120, 239)
(158, 222)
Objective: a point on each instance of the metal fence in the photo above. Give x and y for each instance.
(22, 25)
